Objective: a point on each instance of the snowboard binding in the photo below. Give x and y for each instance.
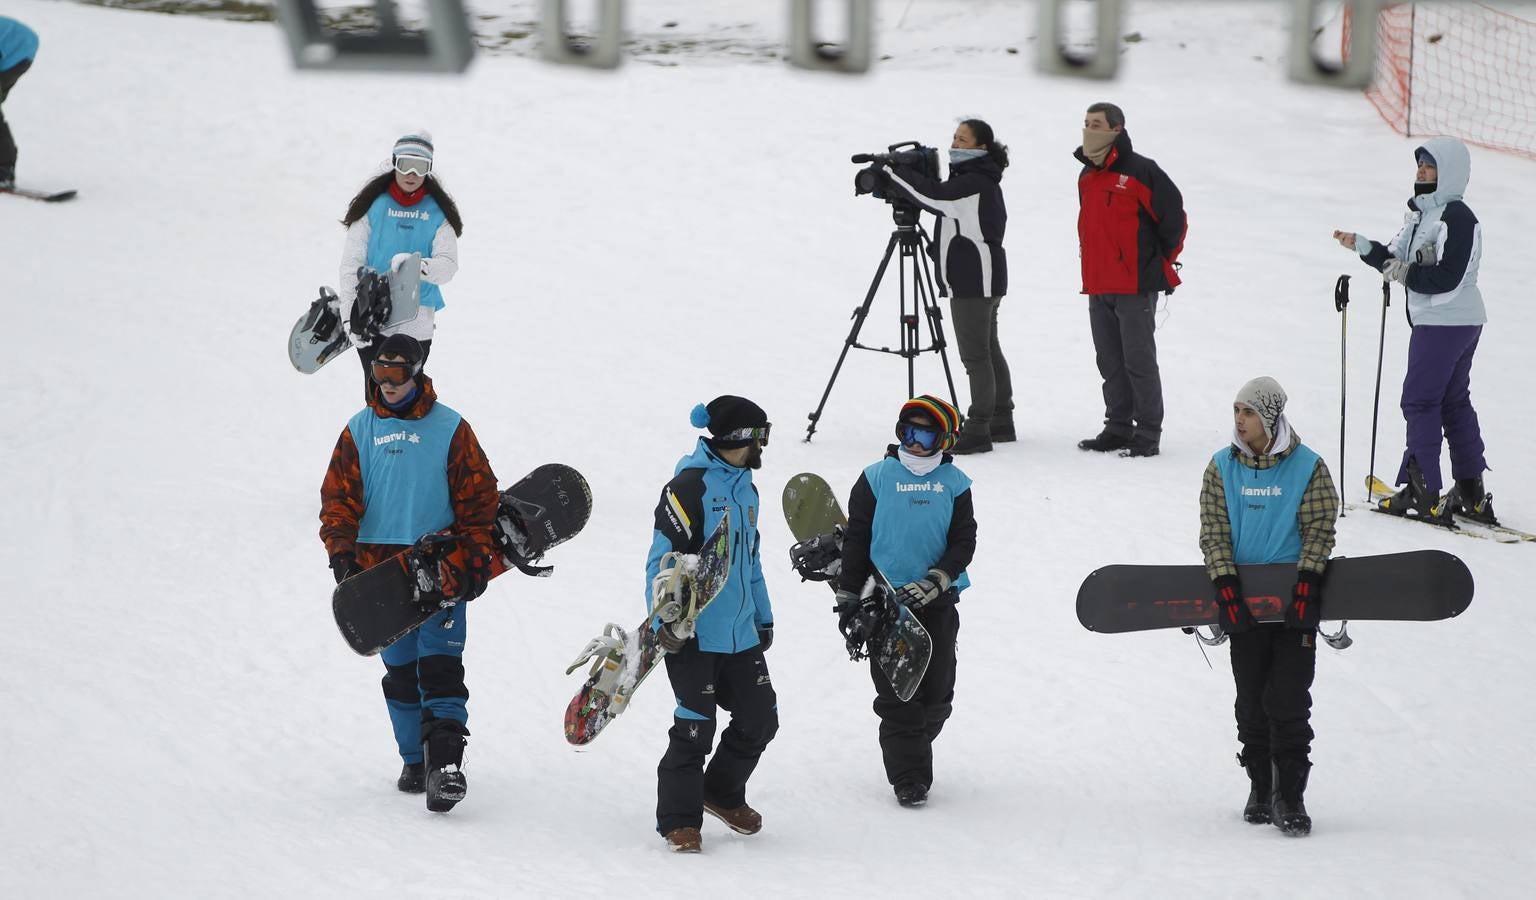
(511, 536)
(820, 558)
(863, 626)
(373, 306)
(430, 562)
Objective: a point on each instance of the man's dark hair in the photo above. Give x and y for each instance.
(1112, 114)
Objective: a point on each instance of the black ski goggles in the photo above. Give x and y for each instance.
(393, 372)
(758, 433)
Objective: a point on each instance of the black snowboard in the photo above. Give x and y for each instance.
(1418, 586)
(548, 507)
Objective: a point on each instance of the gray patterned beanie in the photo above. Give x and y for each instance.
(1265, 396)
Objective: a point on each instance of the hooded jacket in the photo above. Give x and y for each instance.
(968, 239)
(1130, 223)
(1443, 243)
(702, 487)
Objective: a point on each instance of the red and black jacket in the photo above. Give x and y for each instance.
(1130, 223)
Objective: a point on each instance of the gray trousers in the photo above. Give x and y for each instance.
(1127, 356)
(975, 321)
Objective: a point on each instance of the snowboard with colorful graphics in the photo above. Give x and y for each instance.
(622, 659)
(546, 508)
(903, 647)
(1417, 586)
(383, 302)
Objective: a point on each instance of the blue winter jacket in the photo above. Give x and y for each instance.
(18, 43)
(1443, 243)
(704, 486)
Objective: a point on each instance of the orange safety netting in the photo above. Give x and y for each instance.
(1460, 69)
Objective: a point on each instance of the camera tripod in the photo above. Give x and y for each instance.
(914, 243)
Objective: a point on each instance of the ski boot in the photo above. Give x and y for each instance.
(1261, 787)
(1468, 500)
(443, 747)
(1415, 500)
(1288, 811)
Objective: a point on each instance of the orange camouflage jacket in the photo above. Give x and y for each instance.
(471, 487)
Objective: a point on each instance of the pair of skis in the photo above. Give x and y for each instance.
(1459, 524)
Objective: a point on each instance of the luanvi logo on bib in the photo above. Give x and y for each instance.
(383, 439)
(409, 214)
(925, 486)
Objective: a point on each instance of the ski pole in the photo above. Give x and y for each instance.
(1341, 303)
(1381, 345)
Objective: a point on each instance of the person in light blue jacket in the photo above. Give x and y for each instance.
(18, 46)
(720, 662)
(1436, 257)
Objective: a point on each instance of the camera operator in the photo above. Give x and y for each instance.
(972, 270)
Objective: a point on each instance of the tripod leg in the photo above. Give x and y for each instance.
(859, 315)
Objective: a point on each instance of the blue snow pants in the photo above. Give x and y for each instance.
(1437, 396)
(424, 679)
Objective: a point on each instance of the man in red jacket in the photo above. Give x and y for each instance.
(1130, 225)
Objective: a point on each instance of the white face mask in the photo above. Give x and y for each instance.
(919, 465)
(958, 155)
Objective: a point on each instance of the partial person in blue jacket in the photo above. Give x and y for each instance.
(1436, 258)
(398, 213)
(18, 46)
(911, 518)
(720, 663)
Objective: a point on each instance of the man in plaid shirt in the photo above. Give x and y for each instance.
(1268, 498)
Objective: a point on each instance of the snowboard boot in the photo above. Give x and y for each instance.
(1261, 787)
(442, 745)
(910, 793)
(1106, 442)
(413, 778)
(684, 840)
(972, 442)
(1002, 431)
(742, 819)
(1288, 812)
(1414, 499)
(1468, 500)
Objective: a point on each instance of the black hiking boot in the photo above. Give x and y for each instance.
(1105, 443)
(442, 744)
(910, 793)
(1002, 431)
(413, 778)
(1288, 812)
(1261, 787)
(1139, 446)
(972, 442)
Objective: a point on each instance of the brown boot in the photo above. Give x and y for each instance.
(684, 840)
(742, 820)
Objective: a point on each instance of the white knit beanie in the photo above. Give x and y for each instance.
(1265, 396)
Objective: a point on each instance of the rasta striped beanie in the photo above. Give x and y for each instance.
(943, 416)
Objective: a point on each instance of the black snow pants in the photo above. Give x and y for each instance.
(907, 730)
(1273, 668)
(737, 682)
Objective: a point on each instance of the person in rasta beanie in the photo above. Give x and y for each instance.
(719, 662)
(910, 517)
(407, 466)
(1268, 498)
(398, 213)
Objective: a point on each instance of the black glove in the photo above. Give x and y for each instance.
(847, 610)
(670, 640)
(1235, 617)
(472, 581)
(765, 637)
(915, 595)
(1306, 608)
(344, 565)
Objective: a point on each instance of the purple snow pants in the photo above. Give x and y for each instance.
(1437, 395)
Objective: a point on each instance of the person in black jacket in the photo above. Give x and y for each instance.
(972, 270)
(910, 519)
(1130, 225)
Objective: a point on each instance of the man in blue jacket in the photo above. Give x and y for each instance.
(18, 45)
(720, 662)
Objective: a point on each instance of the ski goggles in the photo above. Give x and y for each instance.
(413, 165)
(758, 433)
(918, 436)
(393, 372)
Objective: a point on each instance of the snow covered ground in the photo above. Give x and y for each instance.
(181, 719)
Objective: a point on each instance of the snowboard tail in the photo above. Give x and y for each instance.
(1417, 586)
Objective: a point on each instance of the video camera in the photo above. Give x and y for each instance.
(911, 154)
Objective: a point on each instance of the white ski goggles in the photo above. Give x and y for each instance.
(413, 165)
